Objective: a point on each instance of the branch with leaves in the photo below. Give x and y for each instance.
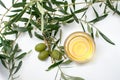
(44, 18)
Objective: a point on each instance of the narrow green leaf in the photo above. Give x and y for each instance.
(84, 14)
(67, 62)
(73, 2)
(62, 10)
(17, 17)
(54, 65)
(17, 10)
(48, 8)
(40, 8)
(10, 32)
(55, 44)
(56, 31)
(74, 16)
(18, 67)
(70, 21)
(89, 29)
(93, 1)
(15, 48)
(106, 38)
(2, 4)
(74, 78)
(13, 15)
(108, 2)
(35, 24)
(4, 63)
(20, 4)
(96, 34)
(13, 2)
(30, 28)
(21, 56)
(64, 18)
(24, 1)
(96, 13)
(24, 19)
(2, 56)
(92, 33)
(99, 18)
(82, 27)
(60, 35)
(21, 29)
(12, 69)
(86, 0)
(116, 6)
(53, 27)
(66, 6)
(57, 2)
(39, 36)
(81, 10)
(105, 9)
(49, 3)
(63, 76)
(67, 77)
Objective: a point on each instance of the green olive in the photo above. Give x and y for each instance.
(43, 55)
(56, 55)
(40, 47)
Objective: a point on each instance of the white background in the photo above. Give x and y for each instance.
(105, 64)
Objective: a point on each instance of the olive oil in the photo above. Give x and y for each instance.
(79, 47)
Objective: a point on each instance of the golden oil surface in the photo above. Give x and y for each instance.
(80, 47)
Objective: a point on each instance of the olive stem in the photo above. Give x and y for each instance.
(48, 45)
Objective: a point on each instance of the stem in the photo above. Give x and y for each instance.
(42, 23)
(60, 69)
(5, 15)
(48, 45)
(56, 74)
(89, 24)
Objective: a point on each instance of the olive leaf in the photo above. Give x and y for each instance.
(93, 1)
(49, 8)
(66, 6)
(57, 2)
(81, 10)
(20, 4)
(18, 67)
(54, 65)
(73, 1)
(21, 56)
(13, 2)
(67, 62)
(3, 56)
(67, 77)
(89, 29)
(39, 36)
(96, 34)
(74, 16)
(16, 10)
(106, 38)
(96, 13)
(82, 26)
(108, 2)
(17, 17)
(55, 44)
(2, 4)
(99, 18)
(92, 33)
(24, 19)
(4, 63)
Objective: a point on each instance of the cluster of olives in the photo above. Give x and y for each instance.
(44, 53)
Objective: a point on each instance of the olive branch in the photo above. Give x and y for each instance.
(44, 18)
